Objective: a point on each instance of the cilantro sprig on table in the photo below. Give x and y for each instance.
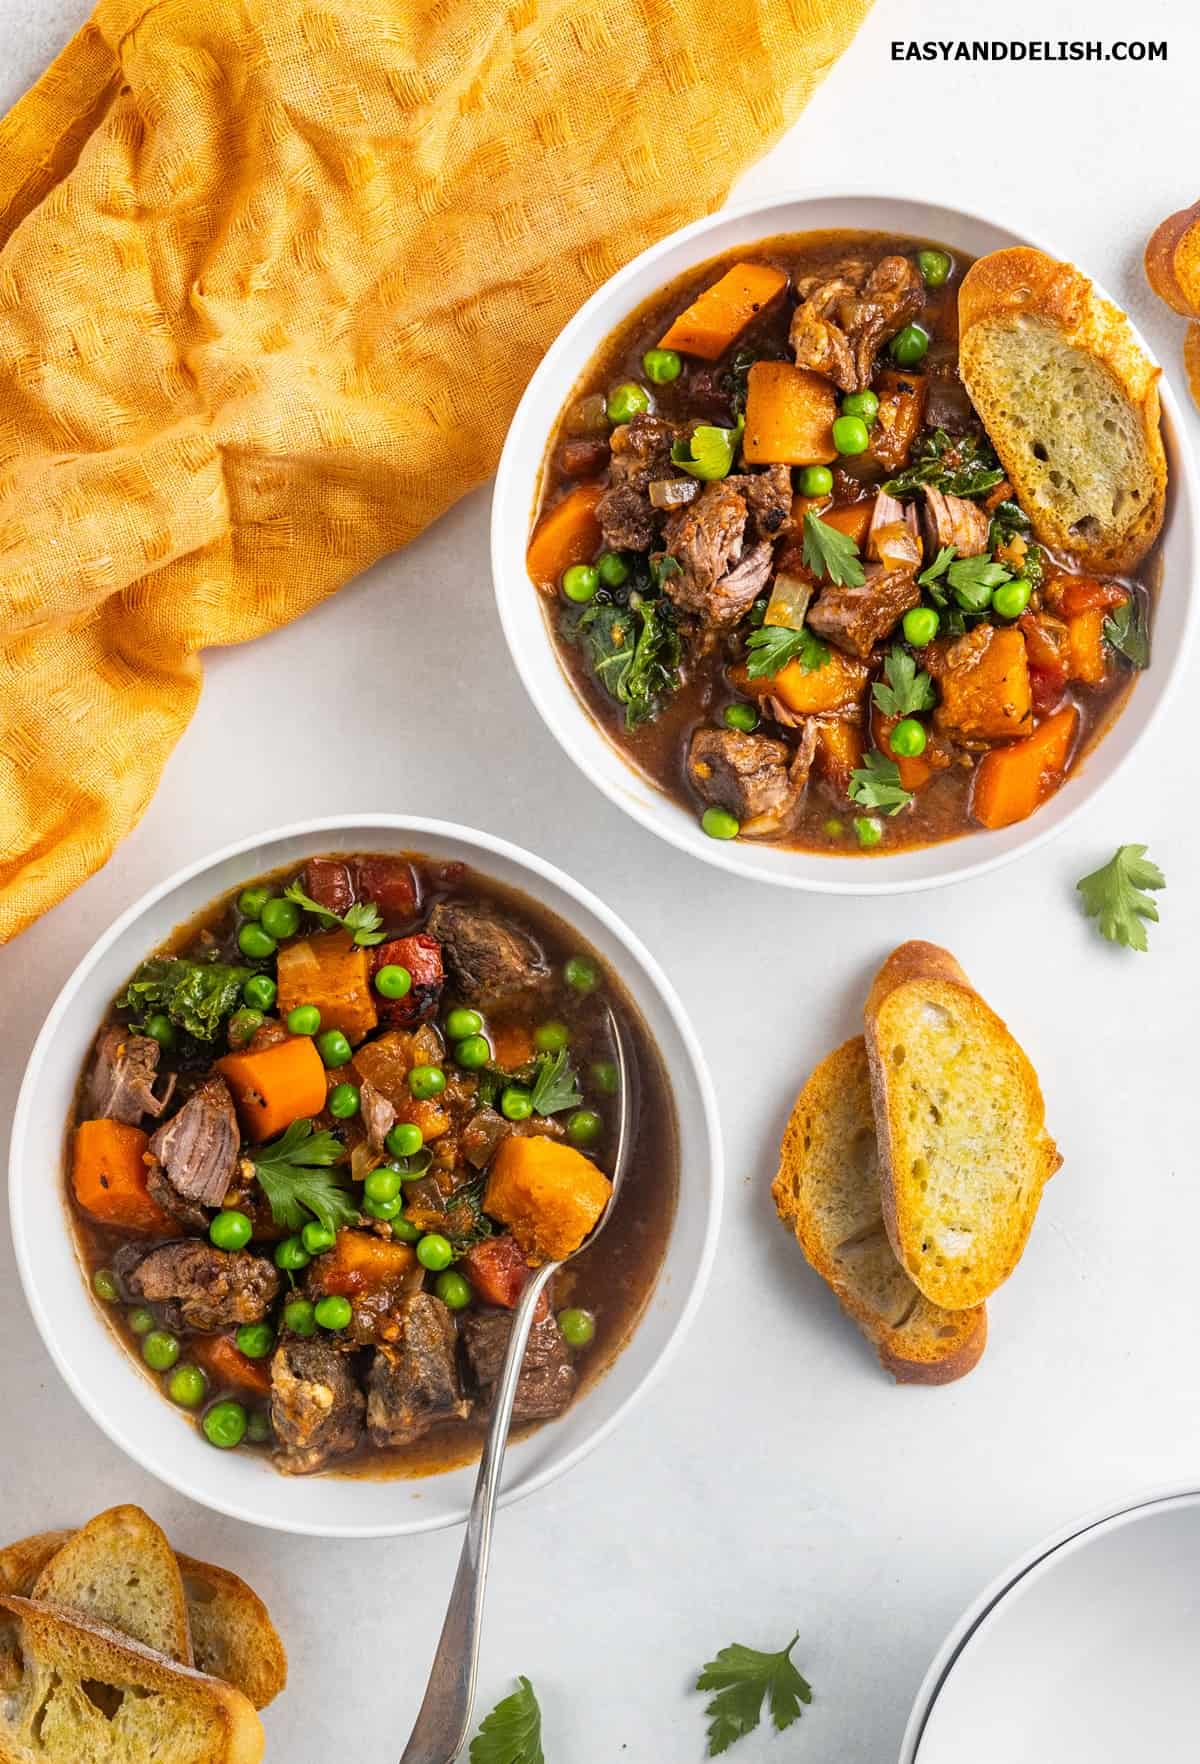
(1115, 896)
(512, 1733)
(294, 1172)
(742, 1677)
(362, 920)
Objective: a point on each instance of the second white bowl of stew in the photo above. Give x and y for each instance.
(326, 1100)
(765, 579)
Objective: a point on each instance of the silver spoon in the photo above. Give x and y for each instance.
(444, 1719)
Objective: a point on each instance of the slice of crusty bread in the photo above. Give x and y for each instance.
(21, 1563)
(76, 1693)
(120, 1570)
(1191, 361)
(963, 1148)
(1070, 403)
(1173, 261)
(827, 1192)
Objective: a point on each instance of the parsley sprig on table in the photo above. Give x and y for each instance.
(742, 1677)
(512, 1733)
(1115, 896)
(831, 553)
(362, 920)
(555, 1088)
(906, 690)
(772, 647)
(876, 784)
(294, 1173)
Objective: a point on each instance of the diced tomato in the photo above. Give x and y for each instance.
(392, 884)
(327, 881)
(497, 1270)
(422, 956)
(1072, 595)
(1046, 686)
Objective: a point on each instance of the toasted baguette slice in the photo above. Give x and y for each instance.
(76, 1693)
(120, 1570)
(1191, 361)
(963, 1148)
(827, 1191)
(1070, 403)
(21, 1563)
(1173, 261)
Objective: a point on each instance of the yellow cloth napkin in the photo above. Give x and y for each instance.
(273, 274)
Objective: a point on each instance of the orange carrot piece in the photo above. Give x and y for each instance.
(716, 317)
(567, 534)
(108, 1175)
(275, 1087)
(915, 769)
(328, 970)
(512, 1045)
(789, 416)
(852, 518)
(228, 1367)
(1010, 782)
(1085, 645)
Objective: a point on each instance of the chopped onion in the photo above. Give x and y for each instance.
(589, 416)
(673, 492)
(789, 601)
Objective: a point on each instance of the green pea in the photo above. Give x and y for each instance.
(741, 716)
(934, 267)
(225, 1425)
(160, 1350)
(280, 919)
(300, 1316)
(254, 942)
(581, 974)
(473, 1052)
(343, 1102)
(551, 1037)
(255, 1340)
(291, 1255)
(231, 1231)
(434, 1251)
(317, 1238)
(861, 404)
(580, 582)
(920, 626)
(908, 346)
(393, 981)
(1011, 598)
(242, 1025)
(140, 1320)
(832, 828)
(605, 1077)
(426, 1081)
(405, 1230)
(453, 1290)
(908, 738)
(576, 1327)
(405, 1140)
(104, 1285)
(627, 400)
(612, 569)
(461, 1024)
(259, 992)
(187, 1386)
(973, 597)
(334, 1049)
(161, 1029)
(382, 1185)
(869, 830)
(661, 366)
(382, 1209)
(816, 481)
(252, 900)
(333, 1312)
(304, 1020)
(516, 1104)
(584, 1127)
(718, 823)
(258, 1427)
(851, 435)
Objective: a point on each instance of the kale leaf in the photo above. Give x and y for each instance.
(957, 465)
(634, 651)
(196, 996)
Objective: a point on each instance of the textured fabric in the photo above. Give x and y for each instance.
(273, 274)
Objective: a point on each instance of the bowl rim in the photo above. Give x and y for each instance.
(1054, 1543)
(509, 578)
(710, 1197)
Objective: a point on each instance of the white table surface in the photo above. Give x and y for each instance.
(776, 1481)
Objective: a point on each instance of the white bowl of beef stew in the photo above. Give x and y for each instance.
(565, 666)
(639, 1285)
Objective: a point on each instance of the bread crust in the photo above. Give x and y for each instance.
(1191, 361)
(122, 1534)
(1021, 280)
(1172, 261)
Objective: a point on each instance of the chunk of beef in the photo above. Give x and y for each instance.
(627, 519)
(490, 961)
(856, 619)
(270, 1033)
(316, 1405)
(199, 1287)
(953, 520)
(547, 1382)
(481, 1135)
(757, 778)
(414, 1384)
(641, 451)
(391, 882)
(377, 1113)
(187, 1215)
(843, 318)
(422, 956)
(198, 1147)
(120, 1085)
(768, 497)
(582, 457)
(716, 581)
(329, 883)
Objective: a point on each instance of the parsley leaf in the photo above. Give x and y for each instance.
(907, 690)
(832, 553)
(772, 647)
(555, 1088)
(196, 996)
(363, 919)
(1114, 895)
(707, 453)
(876, 785)
(743, 1677)
(1126, 630)
(512, 1733)
(293, 1172)
(958, 465)
(973, 578)
(938, 567)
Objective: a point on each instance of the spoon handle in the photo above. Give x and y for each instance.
(444, 1720)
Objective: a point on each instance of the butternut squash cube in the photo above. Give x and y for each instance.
(548, 1194)
(333, 973)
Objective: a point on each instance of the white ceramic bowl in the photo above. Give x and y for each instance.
(114, 1390)
(522, 608)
